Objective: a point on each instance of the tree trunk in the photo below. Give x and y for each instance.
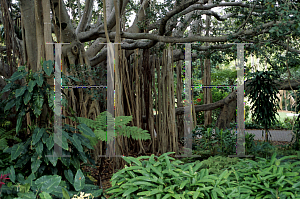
(207, 78)
(226, 115)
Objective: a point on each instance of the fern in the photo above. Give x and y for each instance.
(105, 121)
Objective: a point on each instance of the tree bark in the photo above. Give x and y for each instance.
(207, 77)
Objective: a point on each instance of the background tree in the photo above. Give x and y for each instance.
(272, 26)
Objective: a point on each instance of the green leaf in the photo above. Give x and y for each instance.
(38, 99)
(65, 193)
(51, 99)
(39, 148)
(17, 75)
(12, 175)
(39, 79)
(48, 183)
(85, 141)
(10, 104)
(27, 97)
(16, 151)
(30, 179)
(37, 111)
(86, 130)
(19, 123)
(37, 135)
(61, 140)
(77, 143)
(79, 180)
(69, 175)
(50, 142)
(35, 165)
(45, 195)
(52, 157)
(31, 84)
(97, 193)
(20, 91)
(7, 87)
(48, 67)
(29, 195)
(129, 191)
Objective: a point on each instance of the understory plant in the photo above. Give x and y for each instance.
(152, 177)
(218, 142)
(105, 121)
(36, 170)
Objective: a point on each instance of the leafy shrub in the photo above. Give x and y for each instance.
(218, 142)
(262, 149)
(217, 164)
(165, 179)
(266, 178)
(244, 178)
(36, 171)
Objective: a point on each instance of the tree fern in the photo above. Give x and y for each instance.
(99, 126)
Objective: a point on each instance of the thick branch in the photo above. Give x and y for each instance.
(284, 85)
(86, 17)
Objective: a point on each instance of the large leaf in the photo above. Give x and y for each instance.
(48, 183)
(20, 178)
(77, 143)
(12, 175)
(27, 97)
(79, 180)
(48, 67)
(85, 141)
(17, 75)
(22, 161)
(37, 111)
(61, 141)
(65, 193)
(69, 176)
(45, 195)
(20, 91)
(10, 104)
(35, 164)
(83, 157)
(19, 102)
(51, 99)
(29, 195)
(31, 85)
(86, 130)
(39, 79)
(38, 99)
(39, 148)
(52, 158)
(50, 142)
(7, 87)
(30, 179)
(19, 123)
(76, 163)
(37, 135)
(16, 151)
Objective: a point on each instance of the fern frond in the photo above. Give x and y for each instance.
(134, 132)
(90, 123)
(105, 121)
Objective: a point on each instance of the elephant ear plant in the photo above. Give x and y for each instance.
(262, 93)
